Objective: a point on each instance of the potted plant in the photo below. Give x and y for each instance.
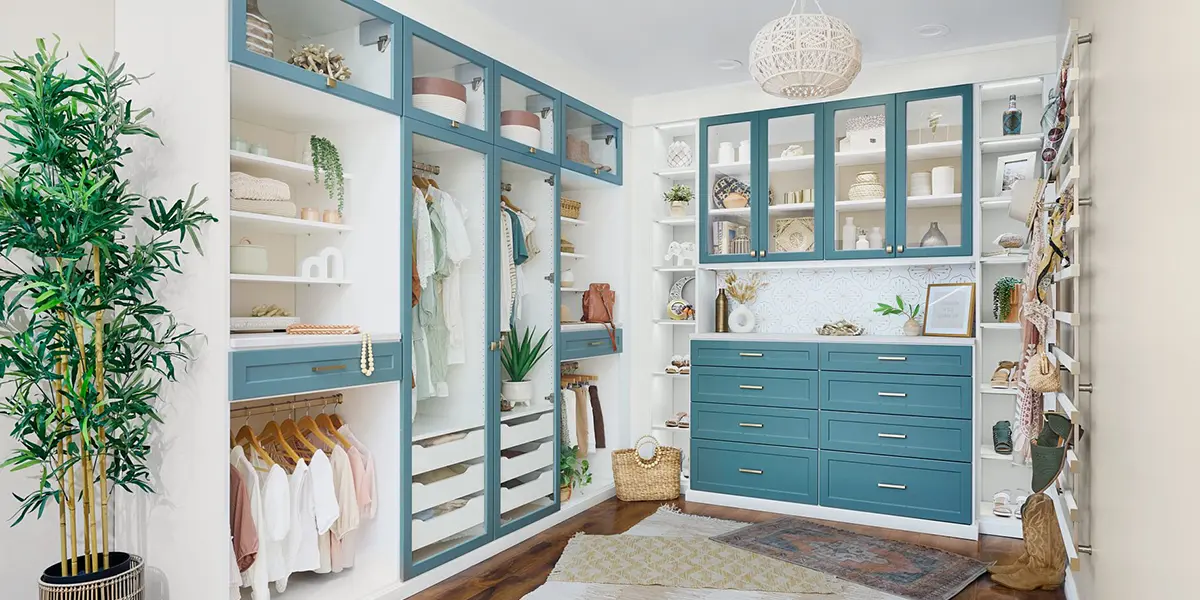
(679, 196)
(85, 347)
(518, 356)
(1006, 298)
(912, 326)
(572, 472)
(327, 165)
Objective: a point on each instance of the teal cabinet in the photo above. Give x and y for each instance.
(591, 142)
(860, 193)
(771, 472)
(791, 166)
(446, 83)
(914, 359)
(303, 370)
(755, 355)
(528, 115)
(588, 343)
(906, 487)
(753, 424)
(891, 394)
(730, 188)
(891, 435)
(755, 387)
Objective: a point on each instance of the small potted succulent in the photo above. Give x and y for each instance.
(518, 356)
(679, 196)
(912, 326)
(572, 472)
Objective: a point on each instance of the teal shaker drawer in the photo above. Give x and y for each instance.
(574, 345)
(905, 487)
(916, 395)
(301, 370)
(771, 472)
(754, 425)
(763, 355)
(916, 437)
(755, 387)
(897, 358)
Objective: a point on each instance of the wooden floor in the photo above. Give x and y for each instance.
(521, 569)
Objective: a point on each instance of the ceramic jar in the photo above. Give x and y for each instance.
(744, 151)
(247, 259)
(876, 238)
(678, 208)
(912, 327)
(849, 234)
(921, 184)
(260, 37)
(442, 97)
(742, 319)
(521, 126)
(725, 154)
(943, 181)
(679, 155)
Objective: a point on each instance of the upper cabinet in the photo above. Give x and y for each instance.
(529, 114)
(860, 196)
(345, 47)
(729, 189)
(446, 83)
(591, 141)
(791, 168)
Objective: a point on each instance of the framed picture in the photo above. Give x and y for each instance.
(1013, 168)
(950, 310)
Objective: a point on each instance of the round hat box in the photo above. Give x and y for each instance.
(521, 126)
(440, 96)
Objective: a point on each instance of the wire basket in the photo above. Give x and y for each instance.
(569, 208)
(128, 585)
(639, 479)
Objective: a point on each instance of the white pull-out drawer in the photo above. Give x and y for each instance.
(542, 456)
(512, 498)
(435, 457)
(426, 496)
(439, 528)
(515, 435)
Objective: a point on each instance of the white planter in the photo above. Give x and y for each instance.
(679, 209)
(742, 319)
(517, 392)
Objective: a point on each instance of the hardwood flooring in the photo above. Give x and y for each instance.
(521, 569)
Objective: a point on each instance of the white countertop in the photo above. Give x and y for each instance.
(258, 341)
(835, 339)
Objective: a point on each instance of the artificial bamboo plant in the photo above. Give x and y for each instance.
(84, 344)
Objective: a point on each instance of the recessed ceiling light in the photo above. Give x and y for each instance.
(727, 64)
(932, 30)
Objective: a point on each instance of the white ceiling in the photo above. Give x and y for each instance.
(653, 46)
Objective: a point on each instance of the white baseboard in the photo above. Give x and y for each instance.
(968, 532)
(1070, 588)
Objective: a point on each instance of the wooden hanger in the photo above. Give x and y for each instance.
(337, 420)
(247, 437)
(308, 425)
(513, 207)
(292, 433)
(272, 433)
(326, 423)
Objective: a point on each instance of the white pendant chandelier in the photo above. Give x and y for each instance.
(805, 55)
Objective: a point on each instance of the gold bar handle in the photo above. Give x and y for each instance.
(894, 358)
(327, 368)
(750, 471)
(892, 486)
(750, 354)
(893, 394)
(751, 387)
(599, 343)
(755, 425)
(494, 346)
(894, 436)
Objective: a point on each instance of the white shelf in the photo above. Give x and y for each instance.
(670, 429)
(729, 212)
(806, 207)
(859, 339)
(1009, 326)
(1011, 143)
(235, 277)
(678, 174)
(737, 168)
(583, 326)
(675, 269)
(572, 290)
(987, 389)
(679, 129)
(677, 221)
(429, 426)
(859, 263)
(248, 341)
(536, 408)
(1070, 272)
(691, 323)
(990, 524)
(910, 202)
(929, 151)
(290, 226)
(995, 202)
(570, 221)
(987, 453)
(1001, 90)
(572, 255)
(272, 167)
(670, 375)
(791, 163)
(1011, 259)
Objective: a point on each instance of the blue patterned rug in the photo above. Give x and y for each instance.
(899, 568)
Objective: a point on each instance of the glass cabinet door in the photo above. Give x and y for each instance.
(449, 270)
(935, 173)
(791, 171)
(446, 83)
(728, 189)
(859, 193)
(528, 313)
(529, 113)
(591, 141)
(288, 39)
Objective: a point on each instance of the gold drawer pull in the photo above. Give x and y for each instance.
(893, 394)
(454, 124)
(750, 471)
(896, 358)
(751, 387)
(892, 486)
(750, 354)
(599, 343)
(327, 368)
(894, 436)
(755, 425)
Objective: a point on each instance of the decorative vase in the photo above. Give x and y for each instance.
(943, 181)
(678, 208)
(517, 392)
(744, 151)
(1012, 117)
(260, 37)
(679, 154)
(742, 319)
(725, 155)
(862, 243)
(875, 238)
(849, 234)
(721, 312)
(912, 327)
(933, 237)
(1014, 304)
(564, 493)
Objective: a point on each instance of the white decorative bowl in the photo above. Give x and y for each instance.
(866, 191)
(921, 184)
(521, 134)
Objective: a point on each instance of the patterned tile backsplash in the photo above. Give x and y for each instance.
(800, 301)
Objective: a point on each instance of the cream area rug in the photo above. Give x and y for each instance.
(670, 523)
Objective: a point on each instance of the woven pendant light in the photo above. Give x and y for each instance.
(805, 55)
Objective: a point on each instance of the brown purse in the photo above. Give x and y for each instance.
(599, 304)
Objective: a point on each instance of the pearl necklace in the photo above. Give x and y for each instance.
(367, 358)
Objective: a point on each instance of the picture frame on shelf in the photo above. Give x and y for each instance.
(949, 310)
(1013, 168)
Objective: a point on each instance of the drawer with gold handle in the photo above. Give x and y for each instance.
(265, 373)
(754, 424)
(755, 470)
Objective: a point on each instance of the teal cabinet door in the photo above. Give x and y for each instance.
(446, 84)
(886, 393)
(770, 472)
(731, 190)
(934, 172)
(755, 355)
(287, 371)
(792, 169)
(906, 487)
(858, 145)
(755, 387)
(897, 358)
(891, 435)
(529, 115)
(754, 425)
(574, 345)
(591, 142)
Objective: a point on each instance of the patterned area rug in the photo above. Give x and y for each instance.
(907, 570)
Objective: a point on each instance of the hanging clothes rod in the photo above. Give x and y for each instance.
(274, 407)
(507, 187)
(426, 168)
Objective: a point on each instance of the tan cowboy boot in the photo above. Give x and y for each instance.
(1022, 561)
(1046, 566)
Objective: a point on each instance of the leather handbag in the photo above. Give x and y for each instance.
(599, 304)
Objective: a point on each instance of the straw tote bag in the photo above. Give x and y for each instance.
(655, 478)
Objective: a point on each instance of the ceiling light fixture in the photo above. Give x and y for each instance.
(806, 55)
(727, 64)
(932, 30)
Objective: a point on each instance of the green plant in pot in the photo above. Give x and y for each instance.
(85, 348)
(679, 196)
(572, 471)
(518, 356)
(912, 327)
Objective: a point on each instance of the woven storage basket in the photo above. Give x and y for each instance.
(564, 245)
(569, 208)
(640, 479)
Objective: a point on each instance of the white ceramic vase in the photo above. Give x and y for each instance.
(742, 319)
(849, 234)
(744, 151)
(912, 327)
(876, 238)
(725, 154)
(679, 154)
(943, 181)
(678, 208)
(517, 392)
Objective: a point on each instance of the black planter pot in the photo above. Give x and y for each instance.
(120, 562)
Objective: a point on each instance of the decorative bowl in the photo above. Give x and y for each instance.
(866, 191)
(736, 200)
(867, 177)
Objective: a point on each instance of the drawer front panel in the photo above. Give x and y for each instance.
(916, 437)
(775, 473)
(762, 355)
(755, 425)
(575, 345)
(916, 395)
(755, 387)
(897, 358)
(285, 371)
(906, 487)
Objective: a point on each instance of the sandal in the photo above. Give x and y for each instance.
(1000, 504)
(1002, 376)
(677, 361)
(1002, 438)
(1019, 504)
(686, 369)
(685, 422)
(674, 421)
(672, 370)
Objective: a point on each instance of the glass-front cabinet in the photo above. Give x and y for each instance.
(346, 47)
(934, 172)
(591, 141)
(446, 83)
(729, 188)
(529, 111)
(859, 193)
(791, 167)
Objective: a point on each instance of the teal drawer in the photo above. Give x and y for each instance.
(286, 371)
(905, 487)
(897, 358)
(916, 395)
(754, 425)
(574, 345)
(771, 472)
(916, 437)
(755, 387)
(762, 355)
